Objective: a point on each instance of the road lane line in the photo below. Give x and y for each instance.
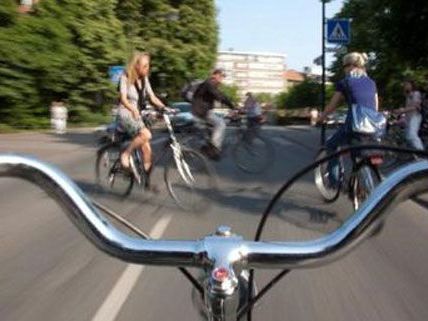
(111, 306)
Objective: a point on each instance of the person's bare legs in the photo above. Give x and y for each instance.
(147, 149)
(141, 140)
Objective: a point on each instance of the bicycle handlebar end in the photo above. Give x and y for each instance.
(97, 229)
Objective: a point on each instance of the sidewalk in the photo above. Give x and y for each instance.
(47, 144)
(50, 131)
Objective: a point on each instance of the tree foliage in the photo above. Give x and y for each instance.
(180, 35)
(231, 92)
(394, 34)
(265, 98)
(62, 51)
(305, 94)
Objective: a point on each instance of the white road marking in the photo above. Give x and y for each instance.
(111, 306)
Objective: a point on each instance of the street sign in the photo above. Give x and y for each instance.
(115, 72)
(339, 31)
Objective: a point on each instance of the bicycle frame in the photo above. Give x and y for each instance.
(175, 146)
(222, 255)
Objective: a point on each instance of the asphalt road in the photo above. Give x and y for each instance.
(48, 271)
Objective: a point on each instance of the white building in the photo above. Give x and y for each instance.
(254, 72)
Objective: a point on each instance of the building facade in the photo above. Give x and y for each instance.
(253, 72)
(293, 78)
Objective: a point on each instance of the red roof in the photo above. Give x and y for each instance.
(293, 75)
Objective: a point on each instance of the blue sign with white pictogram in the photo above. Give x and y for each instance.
(115, 72)
(339, 31)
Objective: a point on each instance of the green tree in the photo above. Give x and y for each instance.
(394, 33)
(37, 62)
(61, 51)
(182, 38)
(130, 13)
(231, 92)
(99, 37)
(264, 98)
(305, 94)
(8, 13)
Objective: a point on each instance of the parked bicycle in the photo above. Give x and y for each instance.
(251, 151)
(224, 257)
(364, 176)
(187, 174)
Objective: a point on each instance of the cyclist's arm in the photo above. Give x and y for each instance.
(335, 101)
(415, 104)
(219, 96)
(153, 98)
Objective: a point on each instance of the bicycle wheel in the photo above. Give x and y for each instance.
(252, 154)
(363, 182)
(110, 176)
(190, 180)
(329, 192)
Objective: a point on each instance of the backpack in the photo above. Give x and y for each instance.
(189, 90)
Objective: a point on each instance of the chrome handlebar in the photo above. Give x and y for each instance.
(221, 249)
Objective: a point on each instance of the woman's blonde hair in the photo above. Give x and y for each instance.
(355, 59)
(131, 72)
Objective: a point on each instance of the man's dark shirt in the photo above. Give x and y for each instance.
(205, 96)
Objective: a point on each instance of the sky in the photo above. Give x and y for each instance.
(290, 27)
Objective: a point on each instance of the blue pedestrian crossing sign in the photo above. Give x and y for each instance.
(339, 31)
(115, 72)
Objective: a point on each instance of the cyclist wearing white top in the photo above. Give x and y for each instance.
(413, 116)
(134, 89)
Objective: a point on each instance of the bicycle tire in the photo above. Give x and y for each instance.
(253, 155)
(110, 177)
(363, 181)
(189, 191)
(329, 194)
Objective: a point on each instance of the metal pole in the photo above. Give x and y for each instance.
(323, 71)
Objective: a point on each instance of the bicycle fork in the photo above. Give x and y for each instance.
(182, 166)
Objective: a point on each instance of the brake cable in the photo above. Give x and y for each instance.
(251, 301)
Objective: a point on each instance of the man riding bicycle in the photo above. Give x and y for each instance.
(202, 107)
